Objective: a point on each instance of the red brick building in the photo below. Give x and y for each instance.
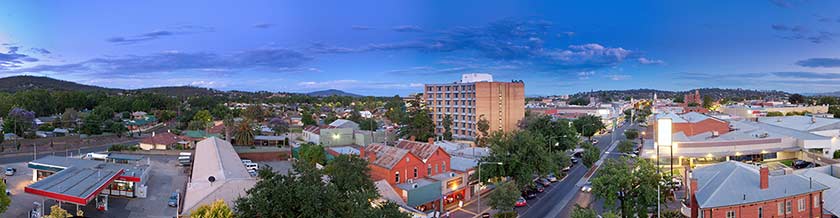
(733, 189)
(693, 123)
(419, 172)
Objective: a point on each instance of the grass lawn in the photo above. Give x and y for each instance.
(788, 163)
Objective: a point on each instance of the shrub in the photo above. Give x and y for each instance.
(509, 214)
(837, 154)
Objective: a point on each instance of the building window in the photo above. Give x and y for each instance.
(801, 205)
(700, 213)
(415, 172)
(781, 207)
(730, 214)
(429, 170)
(788, 206)
(760, 212)
(816, 201)
(397, 177)
(444, 166)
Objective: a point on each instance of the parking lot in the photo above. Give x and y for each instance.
(164, 178)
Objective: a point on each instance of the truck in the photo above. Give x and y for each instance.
(95, 156)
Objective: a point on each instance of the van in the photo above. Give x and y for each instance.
(184, 160)
(251, 166)
(185, 154)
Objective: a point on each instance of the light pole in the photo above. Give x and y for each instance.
(663, 138)
(481, 183)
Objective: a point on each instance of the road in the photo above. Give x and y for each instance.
(555, 202)
(28, 157)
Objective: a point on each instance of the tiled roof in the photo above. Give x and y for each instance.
(420, 149)
(386, 156)
(735, 183)
(165, 138)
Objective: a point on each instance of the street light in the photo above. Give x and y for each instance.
(479, 180)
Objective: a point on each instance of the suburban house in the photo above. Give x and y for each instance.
(735, 189)
(140, 121)
(161, 141)
(342, 123)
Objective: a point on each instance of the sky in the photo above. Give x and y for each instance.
(394, 47)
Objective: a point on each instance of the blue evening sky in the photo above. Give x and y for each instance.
(393, 47)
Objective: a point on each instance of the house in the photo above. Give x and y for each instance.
(419, 172)
(161, 141)
(273, 140)
(735, 189)
(312, 134)
(140, 123)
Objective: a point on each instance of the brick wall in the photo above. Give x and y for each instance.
(771, 208)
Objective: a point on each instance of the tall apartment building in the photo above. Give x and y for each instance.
(476, 95)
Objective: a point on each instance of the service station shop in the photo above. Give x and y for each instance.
(79, 181)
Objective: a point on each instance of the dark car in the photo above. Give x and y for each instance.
(538, 188)
(173, 199)
(529, 194)
(799, 164)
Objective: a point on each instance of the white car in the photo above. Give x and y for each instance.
(586, 187)
(10, 171)
(252, 166)
(246, 161)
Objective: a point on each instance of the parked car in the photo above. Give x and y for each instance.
(529, 194)
(253, 173)
(252, 166)
(485, 215)
(799, 164)
(8, 192)
(246, 161)
(551, 178)
(521, 202)
(544, 182)
(586, 187)
(594, 141)
(10, 171)
(173, 199)
(539, 188)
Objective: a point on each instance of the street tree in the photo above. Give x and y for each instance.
(504, 197)
(117, 128)
(202, 120)
(419, 125)
(5, 200)
(369, 124)
(217, 209)
(311, 154)
(523, 154)
(589, 125)
(559, 134)
(305, 193)
(631, 183)
(581, 212)
(447, 127)
(626, 146)
(396, 110)
(796, 99)
(591, 154)
(631, 134)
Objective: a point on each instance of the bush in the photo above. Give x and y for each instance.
(837, 154)
(120, 147)
(509, 214)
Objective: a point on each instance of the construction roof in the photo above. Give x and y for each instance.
(734, 183)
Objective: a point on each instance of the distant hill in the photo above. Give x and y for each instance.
(21, 83)
(715, 93)
(180, 91)
(833, 94)
(331, 92)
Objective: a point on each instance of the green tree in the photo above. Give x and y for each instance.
(166, 115)
(305, 193)
(796, 99)
(254, 112)
(631, 183)
(672, 214)
(827, 100)
(504, 197)
(244, 133)
(58, 212)
(589, 125)
(447, 127)
(580, 212)
(775, 114)
(836, 153)
(396, 110)
(5, 200)
(707, 102)
(483, 126)
(312, 154)
(626, 146)
(523, 154)
(559, 134)
(679, 99)
(420, 125)
(590, 155)
(202, 120)
(631, 134)
(68, 118)
(368, 124)
(582, 101)
(307, 119)
(117, 128)
(217, 209)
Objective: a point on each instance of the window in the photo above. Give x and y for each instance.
(780, 208)
(397, 175)
(429, 170)
(415, 172)
(816, 201)
(730, 214)
(760, 212)
(788, 206)
(700, 213)
(444, 166)
(801, 205)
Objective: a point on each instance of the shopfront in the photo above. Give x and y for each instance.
(126, 184)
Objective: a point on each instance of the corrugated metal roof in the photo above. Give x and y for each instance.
(735, 183)
(386, 156)
(420, 149)
(831, 197)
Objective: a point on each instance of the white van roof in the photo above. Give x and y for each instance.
(185, 154)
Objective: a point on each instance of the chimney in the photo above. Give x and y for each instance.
(412, 138)
(431, 140)
(692, 201)
(765, 177)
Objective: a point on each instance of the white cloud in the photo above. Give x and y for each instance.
(585, 74)
(646, 61)
(617, 77)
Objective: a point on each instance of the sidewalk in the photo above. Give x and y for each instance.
(470, 208)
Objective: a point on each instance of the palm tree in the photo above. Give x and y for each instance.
(244, 133)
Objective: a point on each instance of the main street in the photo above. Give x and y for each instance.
(556, 201)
